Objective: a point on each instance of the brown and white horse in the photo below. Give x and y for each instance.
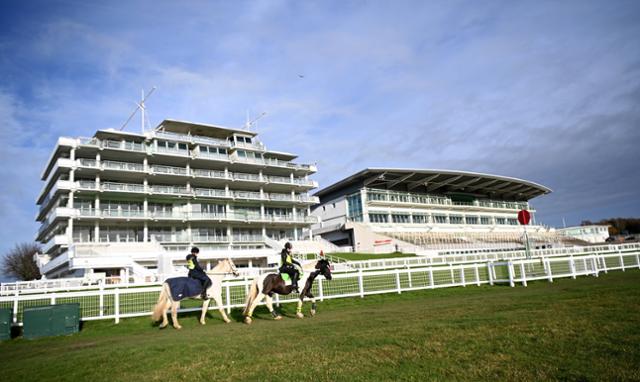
(165, 301)
(266, 285)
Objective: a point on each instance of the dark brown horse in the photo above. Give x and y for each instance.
(266, 285)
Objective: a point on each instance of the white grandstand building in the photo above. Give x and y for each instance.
(126, 204)
(407, 210)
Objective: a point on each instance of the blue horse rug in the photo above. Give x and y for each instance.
(183, 287)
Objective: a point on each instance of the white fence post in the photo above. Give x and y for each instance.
(101, 299)
(116, 303)
(431, 278)
(572, 267)
(510, 271)
(360, 282)
(549, 272)
(277, 300)
(523, 274)
(246, 286)
(53, 298)
(462, 277)
(398, 281)
(453, 277)
(490, 271)
(228, 299)
(594, 264)
(409, 277)
(320, 291)
(621, 259)
(637, 260)
(477, 272)
(15, 307)
(604, 264)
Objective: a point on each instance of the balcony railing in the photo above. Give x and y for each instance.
(209, 173)
(123, 166)
(170, 170)
(126, 187)
(209, 238)
(122, 213)
(169, 190)
(247, 238)
(244, 176)
(166, 150)
(247, 195)
(85, 162)
(211, 192)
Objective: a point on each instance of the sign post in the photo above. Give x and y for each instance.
(524, 217)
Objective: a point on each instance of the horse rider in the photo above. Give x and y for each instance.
(196, 271)
(289, 265)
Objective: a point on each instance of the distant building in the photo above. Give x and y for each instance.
(129, 204)
(588, 233)
(411, 210)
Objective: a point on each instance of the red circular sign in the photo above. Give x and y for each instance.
(524, 217)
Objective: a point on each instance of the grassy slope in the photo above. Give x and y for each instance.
(581, 329)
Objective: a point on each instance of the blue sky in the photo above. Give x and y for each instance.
(546, 91)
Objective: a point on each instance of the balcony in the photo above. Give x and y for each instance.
(206, 155)
(123, 145)
(174, 190)
(122, 187)
(253, 145)
(121, 213)
(158, 215)
(170, 151)
(246, 177)
(209, 174)
(199, 238)
(168, 170)
(88, 163)
(122, 166)
(211, 193)
(247, 238)
(249, 195)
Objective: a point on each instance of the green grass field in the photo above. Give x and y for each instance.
(584, 329)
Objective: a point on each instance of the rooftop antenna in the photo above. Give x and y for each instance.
(248, 124)
(139, 106)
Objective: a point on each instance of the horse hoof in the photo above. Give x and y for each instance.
(313, 312)
(277, 318)
(248, 320)
(202, 323)
(227, 321)
(178, 327)
(299, 315)
(163, 326)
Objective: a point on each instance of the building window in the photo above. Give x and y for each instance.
(354, 207)
(472, 220)
(455, 219)
(398, 218)
(440, 219)
(378, 218)
(501, 221)
(485, 220)
(513, 221)
(420, 219)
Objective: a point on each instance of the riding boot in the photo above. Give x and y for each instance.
(294, 284)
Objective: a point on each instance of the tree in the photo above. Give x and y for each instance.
(19, 262)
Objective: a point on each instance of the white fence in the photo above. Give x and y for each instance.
(105, 303)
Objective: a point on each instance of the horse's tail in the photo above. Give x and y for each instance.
(253, 293)
(162, 301)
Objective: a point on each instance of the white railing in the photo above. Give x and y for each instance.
(137, 300)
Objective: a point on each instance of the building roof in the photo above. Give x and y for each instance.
(202, 129)
(447, 182)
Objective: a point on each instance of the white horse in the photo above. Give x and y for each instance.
(264, 286)
(165, 301)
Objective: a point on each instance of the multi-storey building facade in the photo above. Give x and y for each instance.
(382, 209)
(112, 202)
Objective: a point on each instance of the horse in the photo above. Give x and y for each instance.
(166, 301)
(266, 285)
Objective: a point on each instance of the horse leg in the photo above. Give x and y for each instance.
(165, 308)
(313, 304)
(205, 306)
(218, 299)
(299, 313)
(174, 314)
(255, 302)
(269, 301)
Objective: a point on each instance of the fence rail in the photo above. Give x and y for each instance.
(106, 303)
